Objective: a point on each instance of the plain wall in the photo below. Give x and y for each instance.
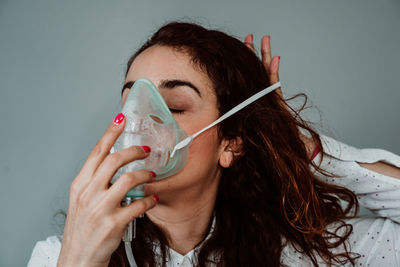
(62, 66)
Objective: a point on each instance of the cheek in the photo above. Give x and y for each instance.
(203, 153)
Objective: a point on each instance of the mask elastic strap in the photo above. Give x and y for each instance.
(188, 140)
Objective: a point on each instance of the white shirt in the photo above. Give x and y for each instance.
(376, 239)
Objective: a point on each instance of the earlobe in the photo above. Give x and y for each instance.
(226, 159)
(232, 150)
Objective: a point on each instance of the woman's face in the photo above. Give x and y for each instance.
(189, 94)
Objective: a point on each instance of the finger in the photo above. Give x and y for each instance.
(126, 182)
(135, 209)
(266, 52)
(274, 74)
(113, 162)
(103, 146)
(100, 150)
(274, 70)
(249, 42)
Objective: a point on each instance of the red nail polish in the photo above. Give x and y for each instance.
(146, 149)
(153, 174)
(156, 198)
(119, 118)
(279, 57)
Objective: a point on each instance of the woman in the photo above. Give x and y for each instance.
(251, 194)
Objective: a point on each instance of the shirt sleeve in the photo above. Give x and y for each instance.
(376, 240)
(46, 252)
(377, 192)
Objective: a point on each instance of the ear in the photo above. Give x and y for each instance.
(231, 150)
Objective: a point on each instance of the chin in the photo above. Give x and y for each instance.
(166, 185)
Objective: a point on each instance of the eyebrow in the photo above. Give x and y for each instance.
(167, 84)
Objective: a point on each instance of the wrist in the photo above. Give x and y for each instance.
(81, 264)
(64, 262)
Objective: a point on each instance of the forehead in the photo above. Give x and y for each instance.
(161, 63)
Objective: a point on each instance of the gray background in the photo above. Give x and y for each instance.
(62, 65)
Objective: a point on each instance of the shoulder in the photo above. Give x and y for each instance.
(45, 252)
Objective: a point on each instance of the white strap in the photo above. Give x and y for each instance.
(188, 140)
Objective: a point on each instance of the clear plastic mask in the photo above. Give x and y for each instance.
(149, 122)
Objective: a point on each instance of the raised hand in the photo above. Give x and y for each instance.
(271, 65)
(96, 221)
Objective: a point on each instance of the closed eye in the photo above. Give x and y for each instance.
(177, 111)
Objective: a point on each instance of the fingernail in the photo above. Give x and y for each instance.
(146, 149)
(119, 118)
(156, 198)
(251, 37)
(153, 174)
(279, 57)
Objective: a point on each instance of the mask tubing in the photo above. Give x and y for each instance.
(129, 254)
(129, 235)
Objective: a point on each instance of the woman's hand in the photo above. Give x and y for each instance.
(96, 221)
(271, 65)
